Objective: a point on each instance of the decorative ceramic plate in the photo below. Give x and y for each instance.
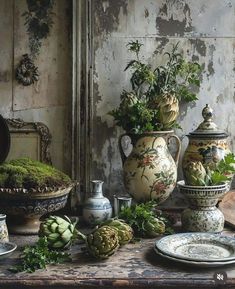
(195, 263)
(198, 247)
(6, 249)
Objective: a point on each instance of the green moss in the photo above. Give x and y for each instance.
(28, 173)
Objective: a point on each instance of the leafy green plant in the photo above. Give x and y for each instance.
(38, 257)
(157, 91)
(211, 174)
(144, 221)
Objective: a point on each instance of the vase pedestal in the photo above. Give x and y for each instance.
(202, 214)
(208, 219)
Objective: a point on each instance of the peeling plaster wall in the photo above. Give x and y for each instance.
(49, 100)
(205, 31)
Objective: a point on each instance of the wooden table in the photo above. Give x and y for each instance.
(133, 266)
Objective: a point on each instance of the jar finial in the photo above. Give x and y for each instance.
(207, 124)
(207, 113)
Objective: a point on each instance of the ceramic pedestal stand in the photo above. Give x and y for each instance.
(202, 214)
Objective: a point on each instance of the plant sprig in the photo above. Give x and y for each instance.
(144, 221)
(223, 171)
(38, 257)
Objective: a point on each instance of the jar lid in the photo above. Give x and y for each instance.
(208, 128)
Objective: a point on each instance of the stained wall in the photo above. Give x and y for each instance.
(205, 31)
(48, 100)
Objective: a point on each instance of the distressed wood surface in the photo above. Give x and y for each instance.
(133, 266)
(227, 206)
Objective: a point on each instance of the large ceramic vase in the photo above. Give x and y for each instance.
(150, 172)
(202, 214)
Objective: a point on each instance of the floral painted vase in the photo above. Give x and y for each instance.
(207, 143)
(150, 172)
(202, 214)
(96, 208)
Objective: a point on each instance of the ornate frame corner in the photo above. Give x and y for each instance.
(20, 126)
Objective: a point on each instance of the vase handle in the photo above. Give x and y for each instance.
(178, 142)
(123, 156)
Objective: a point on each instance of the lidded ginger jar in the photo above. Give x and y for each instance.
(207, 143)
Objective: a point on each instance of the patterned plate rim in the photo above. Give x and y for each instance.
(224, 240)
(194, 263)
(13, 246)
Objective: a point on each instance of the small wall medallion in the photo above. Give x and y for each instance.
(26, 71)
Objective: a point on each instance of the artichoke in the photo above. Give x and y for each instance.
(168, 106)
(195, 174)
(125, 232)
(103, 242)
(154, 227)
(128, 99)
(59, 232)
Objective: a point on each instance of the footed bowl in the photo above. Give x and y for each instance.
(25, 207)
(202, 214)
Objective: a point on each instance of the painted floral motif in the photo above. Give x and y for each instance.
(150, 171)
(205, 151)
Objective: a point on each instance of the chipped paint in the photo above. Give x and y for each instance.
(107, 14)
(174, 18)
(199, 46)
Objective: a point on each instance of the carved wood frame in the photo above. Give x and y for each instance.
(20, 126)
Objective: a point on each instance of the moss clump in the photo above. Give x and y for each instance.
(30, 174)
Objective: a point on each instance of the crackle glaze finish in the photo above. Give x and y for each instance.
(150, 171)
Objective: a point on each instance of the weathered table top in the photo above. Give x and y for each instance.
(133, 266)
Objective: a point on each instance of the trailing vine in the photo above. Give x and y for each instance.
(38, 20)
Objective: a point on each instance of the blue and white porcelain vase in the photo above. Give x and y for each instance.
(96, 208)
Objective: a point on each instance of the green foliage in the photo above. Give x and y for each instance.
(27, 173)
(137, 118)
(177, 78)
(38, 257)
(224, 171)
(143, 220)
(215, 173)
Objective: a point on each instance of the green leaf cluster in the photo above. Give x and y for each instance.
(38, 257)
(177, 77)
(144, 221)
(137, 118)
(215, 173)
(223, 171)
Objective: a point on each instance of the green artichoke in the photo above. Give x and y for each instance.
(128, 99)
(125, 232)
(168, 109)
(103, 242)
(59, 232)
(195, 174)
(154, 227)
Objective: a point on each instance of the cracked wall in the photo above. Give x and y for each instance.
(205, 31)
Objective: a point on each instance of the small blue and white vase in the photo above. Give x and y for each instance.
(96, 208)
